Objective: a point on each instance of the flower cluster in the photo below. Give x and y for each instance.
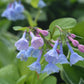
(41, 4)
(14, 11)
(52, 57)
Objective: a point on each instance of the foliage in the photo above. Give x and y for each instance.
(14, 71)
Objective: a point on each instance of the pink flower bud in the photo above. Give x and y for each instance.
(81, 48)
(58, 51)
(70, 38)
(73, 35)
(36, 42)
(75, 43)
(43, 32)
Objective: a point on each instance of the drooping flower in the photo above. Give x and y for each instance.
(52, 55)
(32, 52)
(21, 55)
(74, 58)
(62, 58)
(36, 42)
(50, 68)
(41, 4)
(19, 8)
(43, 32)
(22, 43)
(74, 42)
(81, 48)
(36, 66)
(14, 11)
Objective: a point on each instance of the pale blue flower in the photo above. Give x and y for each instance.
(36, 66)
(62, 58)
(50, 68)
(41, 4)
(31, 52)
(19, 8)
(74, 58)
(21, 55)
(14, 11)
(22, 44)
(52, 55)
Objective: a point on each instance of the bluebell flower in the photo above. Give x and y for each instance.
(21, 55)
(36, 42)
(36, 66)
(14, 11)
(62, 58)
(41, 4)
(52, 55)
(31, 52)
(22, 43)
(50, 68)
(19, 8)
(74, 58)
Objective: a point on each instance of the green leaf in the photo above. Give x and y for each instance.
(50, 80)
(64, 23)
(79, 29)
(6, 81)
(21, 80)
(17, 28)
(4, 25)
(34, 3)
(9, 72)
(72, 74)
(7, 55)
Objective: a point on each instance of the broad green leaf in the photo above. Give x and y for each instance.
(79, 29)
(9, 72)
(7, 55)
(50, 80)
(64, 23)
(72, 74)
(6, 81)
(21, 80)
(34, 3)
(17, 28)
(4, 25)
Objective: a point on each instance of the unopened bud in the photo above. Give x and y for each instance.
(81, 48)
(43, 32)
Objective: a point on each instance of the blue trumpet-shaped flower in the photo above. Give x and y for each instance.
(22, 44)
(21, 55)
(52, 55)
(36, 42)
(62, 58)
(41, 4)
(32, 52)
(36, 65)
(19, 8)
(14, 11)
(74, 58)
(50, 68)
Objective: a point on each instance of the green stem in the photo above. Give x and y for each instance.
(38, 14)
(33, 79)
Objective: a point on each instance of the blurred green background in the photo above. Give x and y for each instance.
(13, 71)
